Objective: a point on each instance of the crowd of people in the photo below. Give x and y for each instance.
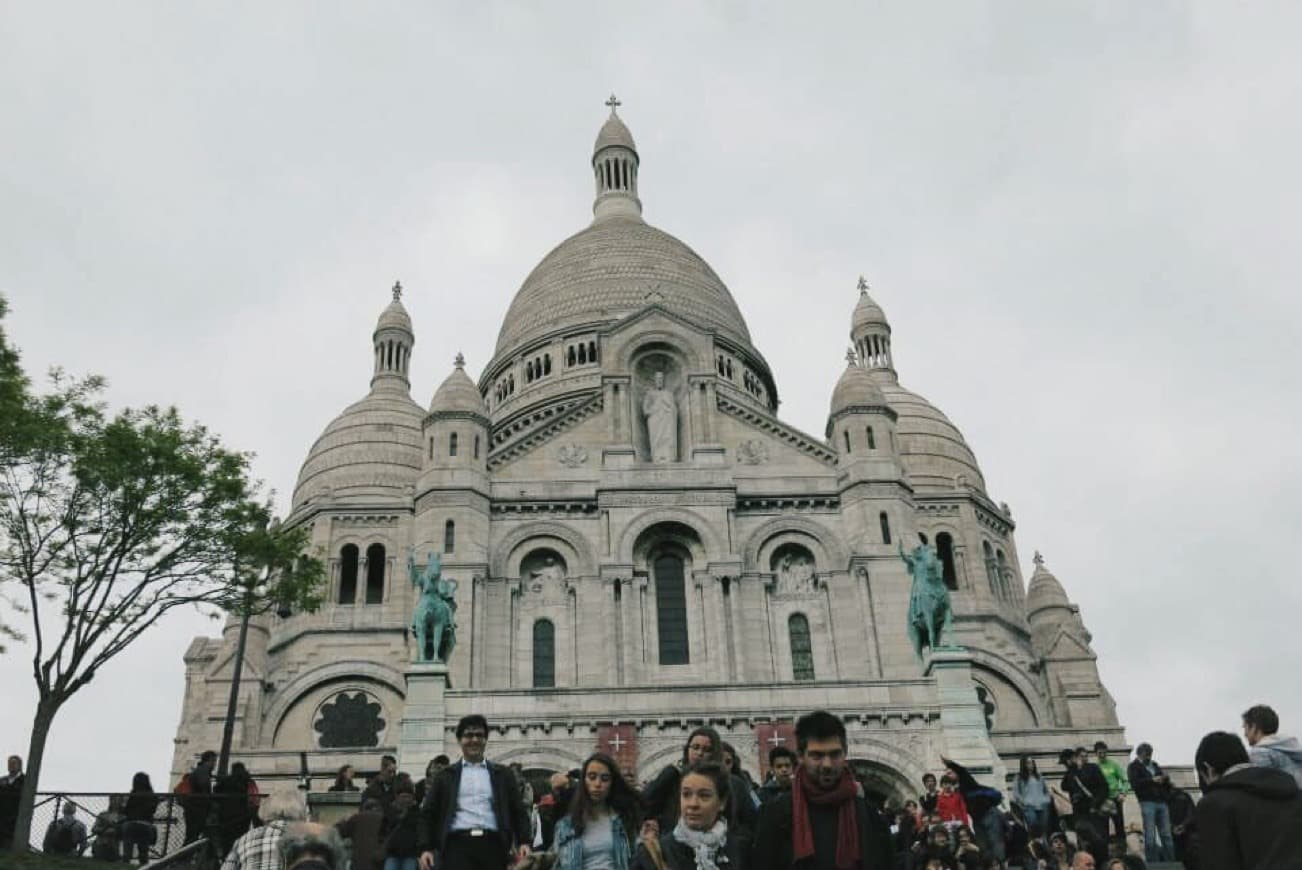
(704, 812)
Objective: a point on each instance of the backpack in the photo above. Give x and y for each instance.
(184, 786)
(62, 838)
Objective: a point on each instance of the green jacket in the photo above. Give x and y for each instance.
(1115, 774)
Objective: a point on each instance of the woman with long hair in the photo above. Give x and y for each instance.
(138, 831)
(700, 838)
(344, 779)
(660, 799)
(1032, 794)
(597, 832)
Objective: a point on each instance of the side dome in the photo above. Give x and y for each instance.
(1044, 592)
(609, 270)
(458, 394)
(372, 450)
(932, 449)
(856, 387)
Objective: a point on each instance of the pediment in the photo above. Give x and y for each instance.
(1066, 645)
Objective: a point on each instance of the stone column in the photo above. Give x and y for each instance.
(423, 717)
(962, 720)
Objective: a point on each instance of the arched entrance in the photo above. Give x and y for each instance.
(882, 785)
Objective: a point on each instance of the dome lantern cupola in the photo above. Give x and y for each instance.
(871, 333)
(392, 341)
(614, 165)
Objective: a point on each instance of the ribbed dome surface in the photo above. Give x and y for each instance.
(611, 269)
(614, 132)
(372, 449)
(931, 447)
(856, 387)
(394, 315)
(867, 313)
(458, 393)
(1044, 591)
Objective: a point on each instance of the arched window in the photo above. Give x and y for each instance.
(375, 574)
(886, 527)
(547, 364)
(671, 609)
(348, 574)
(945, 550)
(872, 441)
(570, 356)
(452, 444)
(544, 654)
(846, 434)
(1001, 566)
(528, 373)
(431, 448)
(802, 649)
(449, 537)
(476, 447)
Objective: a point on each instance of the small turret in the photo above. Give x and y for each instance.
(871, 333)
(393, 339)
(614, 165)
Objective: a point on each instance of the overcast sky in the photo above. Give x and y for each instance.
(1080, 218)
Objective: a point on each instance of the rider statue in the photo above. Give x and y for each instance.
(931, 619)
(434, 622)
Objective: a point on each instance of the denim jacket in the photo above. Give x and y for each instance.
(569, 846)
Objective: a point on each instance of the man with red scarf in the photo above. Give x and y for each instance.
(823, 823)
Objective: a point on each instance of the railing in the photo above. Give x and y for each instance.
(169, 821)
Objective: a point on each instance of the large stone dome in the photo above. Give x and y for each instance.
(611, 269)
(932, 448)
(371, 451)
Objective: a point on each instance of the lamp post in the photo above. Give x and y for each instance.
(228, 728)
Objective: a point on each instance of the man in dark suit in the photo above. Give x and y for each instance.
(472, 817)
(823, 821)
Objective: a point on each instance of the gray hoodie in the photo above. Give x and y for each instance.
(1284, 753)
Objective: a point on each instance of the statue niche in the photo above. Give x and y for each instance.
(794, 570)
(543, 573)
(658, 411)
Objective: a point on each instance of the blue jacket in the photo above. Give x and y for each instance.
(569, 846)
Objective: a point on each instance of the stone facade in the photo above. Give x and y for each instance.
(607, 600)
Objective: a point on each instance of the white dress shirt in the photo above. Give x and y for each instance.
(474, 799)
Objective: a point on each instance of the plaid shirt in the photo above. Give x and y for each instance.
(259, 849)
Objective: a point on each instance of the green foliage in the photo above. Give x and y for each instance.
(109, 521)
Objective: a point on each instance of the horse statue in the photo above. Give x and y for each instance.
(434, 622)
(931, 618)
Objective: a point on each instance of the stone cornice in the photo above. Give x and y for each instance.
(772, 426)
(473, 416)
(549, 421)
(848, 410)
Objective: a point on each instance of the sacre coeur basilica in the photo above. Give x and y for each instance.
(633, 544)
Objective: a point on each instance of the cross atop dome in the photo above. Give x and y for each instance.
(1038, 559)
(460, 361)
(614, 103)
(862, 285)
(397, 290)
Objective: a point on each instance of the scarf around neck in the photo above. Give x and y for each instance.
(705, 845)
(842, 795)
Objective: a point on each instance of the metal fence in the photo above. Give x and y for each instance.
(104, 828)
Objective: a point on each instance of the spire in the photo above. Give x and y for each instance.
(614, 166)
(392, 342)
(870, 332)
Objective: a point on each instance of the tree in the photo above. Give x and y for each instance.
(110, 521)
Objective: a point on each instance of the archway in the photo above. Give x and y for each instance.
(881, 784)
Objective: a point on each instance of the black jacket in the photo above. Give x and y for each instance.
(1143, 785)
(1251, 819)
(773, 849)
(440, 807)
(680, 857)
(1087, 788)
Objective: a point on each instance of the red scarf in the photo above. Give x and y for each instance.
(804, 792)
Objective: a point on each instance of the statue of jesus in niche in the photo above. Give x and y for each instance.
(660, 409)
